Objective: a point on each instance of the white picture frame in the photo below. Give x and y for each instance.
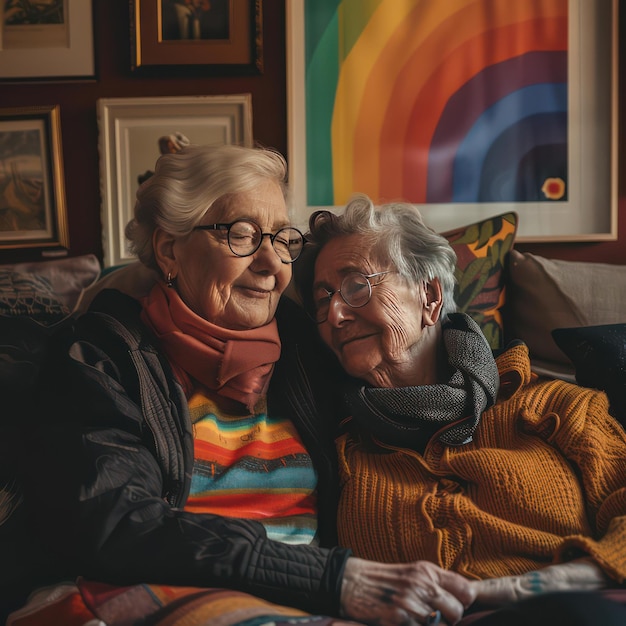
(129, 132)
(589, 214)
(49, 52)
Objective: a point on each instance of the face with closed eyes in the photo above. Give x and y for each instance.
(391, 340)
(233, 292)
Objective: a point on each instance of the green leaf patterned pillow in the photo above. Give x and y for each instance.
(481, 250)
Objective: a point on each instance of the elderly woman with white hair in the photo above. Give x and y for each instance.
(453, 456)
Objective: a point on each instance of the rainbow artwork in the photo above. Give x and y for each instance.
(436, 101)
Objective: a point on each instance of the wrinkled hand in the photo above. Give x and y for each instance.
(392, 594)
(579, 575)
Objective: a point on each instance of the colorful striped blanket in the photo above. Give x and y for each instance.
(87, 603)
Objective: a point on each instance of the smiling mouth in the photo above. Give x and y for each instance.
(256, 292)
(345, 342)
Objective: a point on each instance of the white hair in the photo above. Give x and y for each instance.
(187, 184)
(396, 232)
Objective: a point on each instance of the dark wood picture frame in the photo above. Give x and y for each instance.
(168, 35)
(33, 210)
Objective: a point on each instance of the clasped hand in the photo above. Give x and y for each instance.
(391, 594)
(406, 594)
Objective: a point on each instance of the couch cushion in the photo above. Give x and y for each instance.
(599, 357)
(482, 250)
(46, 291)
(545, 294)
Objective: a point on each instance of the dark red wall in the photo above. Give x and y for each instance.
(77, 103)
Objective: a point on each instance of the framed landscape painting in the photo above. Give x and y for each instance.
(33, 212)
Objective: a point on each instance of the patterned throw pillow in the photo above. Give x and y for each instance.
(30, 295)
(46, 291)
(482, 250)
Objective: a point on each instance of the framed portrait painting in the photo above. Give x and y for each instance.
(468, 109)
(216, 37)
(33, 212)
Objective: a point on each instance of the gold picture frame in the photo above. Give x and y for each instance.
(221, 37)
(33, 211)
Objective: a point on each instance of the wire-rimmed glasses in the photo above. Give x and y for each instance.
(355, 290)
(245, 238)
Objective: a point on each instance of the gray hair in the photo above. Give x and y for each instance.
(396, 232)
(188, 183)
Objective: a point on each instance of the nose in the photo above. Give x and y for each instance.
(266, 256)
(338, 310)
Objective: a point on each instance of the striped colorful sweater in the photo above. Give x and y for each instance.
(543, 481)
(252, 467)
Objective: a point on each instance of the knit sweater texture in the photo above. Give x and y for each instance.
(543, 481)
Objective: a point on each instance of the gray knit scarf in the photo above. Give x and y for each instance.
(409, 416)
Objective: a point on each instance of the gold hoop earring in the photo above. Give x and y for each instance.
(169, 281)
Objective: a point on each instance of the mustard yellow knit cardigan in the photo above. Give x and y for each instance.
(543, 481)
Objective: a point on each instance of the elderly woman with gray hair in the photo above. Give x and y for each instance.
(451, 455)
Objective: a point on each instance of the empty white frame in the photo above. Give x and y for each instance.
(129, 133)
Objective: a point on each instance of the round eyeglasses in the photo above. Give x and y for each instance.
(355, 290)
(245, 238)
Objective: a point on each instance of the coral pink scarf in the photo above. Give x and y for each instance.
(237, 364)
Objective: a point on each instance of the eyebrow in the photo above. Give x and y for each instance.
(319, 284)
(275, 225)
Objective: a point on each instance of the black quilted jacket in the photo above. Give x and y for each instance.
(112, 455)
